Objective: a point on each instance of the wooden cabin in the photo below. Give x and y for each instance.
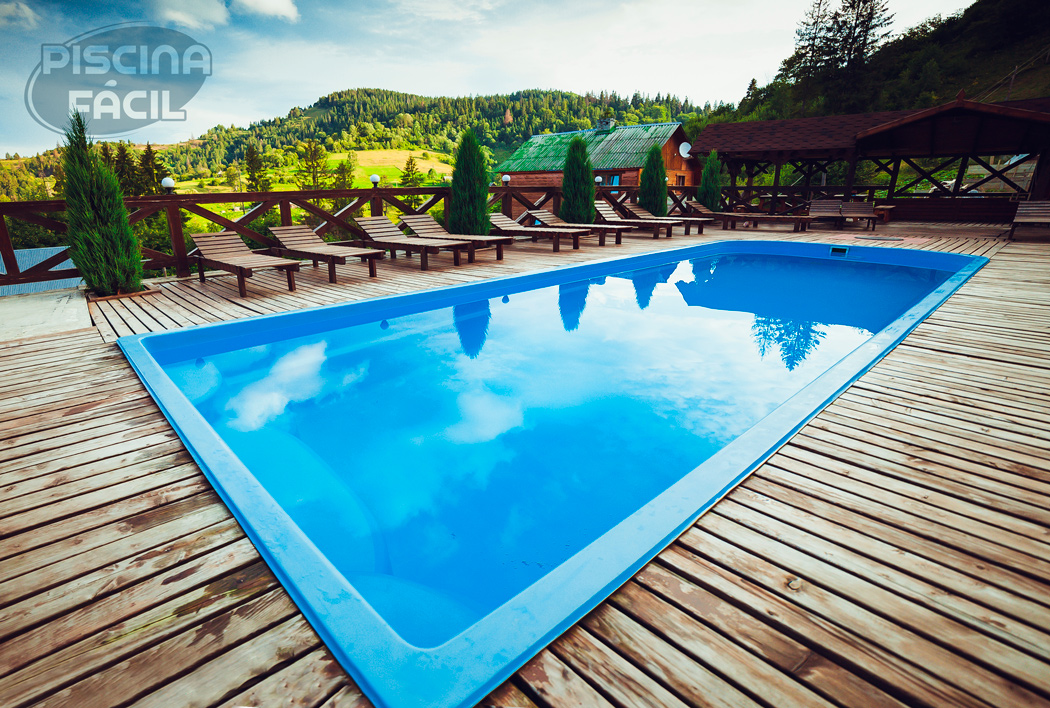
(617, 153)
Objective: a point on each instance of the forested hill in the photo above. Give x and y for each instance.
(844, 62)
(364, 119)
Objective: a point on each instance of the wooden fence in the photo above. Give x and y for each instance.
(417, 200)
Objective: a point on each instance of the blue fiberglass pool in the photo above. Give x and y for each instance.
(445, 481)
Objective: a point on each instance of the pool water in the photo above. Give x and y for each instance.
(442, 462)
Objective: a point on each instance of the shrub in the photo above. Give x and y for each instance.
(101, 243)
(468, 213)
(577, 185)
(652, 193)
(709, 193)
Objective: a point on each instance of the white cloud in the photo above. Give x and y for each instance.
(284, 9)
(17, 14)
(195, 14)
(451, 10)
(294, 377)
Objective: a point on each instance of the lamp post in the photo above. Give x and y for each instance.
(377, 203)
(506, 206)
(168, 184)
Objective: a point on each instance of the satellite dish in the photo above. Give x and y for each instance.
(684, 149)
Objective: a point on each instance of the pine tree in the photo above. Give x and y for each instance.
(313, 166)
(577, 185)
(412, 177)
(258, 181)
(101, 243)
(709, 193)
(106, 153)
(126, 170)
(469, 194)
(150, 171)
(652, 193)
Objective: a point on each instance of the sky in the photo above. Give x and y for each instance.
(271, 55)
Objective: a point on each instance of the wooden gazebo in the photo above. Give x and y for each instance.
(956, 135)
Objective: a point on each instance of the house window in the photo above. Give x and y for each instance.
(679, 180)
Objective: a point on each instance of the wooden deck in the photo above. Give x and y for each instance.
(896, 552)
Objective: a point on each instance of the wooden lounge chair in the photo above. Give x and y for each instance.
(600, 229)
(638, 212)
(865, 211)
(506, 226)
(1031, 213)
(381, 232)
(226, 251)
(829, 209)
(303, 242)
(424, 226)
(608, 215)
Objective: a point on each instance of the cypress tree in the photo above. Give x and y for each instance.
(709, 193)
(577, 185)
(652, 193)
(126, 170)
(101, 243)
(469, 211)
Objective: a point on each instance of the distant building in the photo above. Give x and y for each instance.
(617, 153)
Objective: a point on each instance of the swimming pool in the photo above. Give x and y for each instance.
(444, 481)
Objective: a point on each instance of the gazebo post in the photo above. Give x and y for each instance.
(776, 186)
(964, 162)
(1040, 188)
(851, 171)
(893, 178)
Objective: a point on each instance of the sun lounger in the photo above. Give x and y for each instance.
(503, 224)
(830, 209)
(600, 229)
(303, 242)
(424, 226)
(607, 214)
(380, 232)
(864, 211)
(226, 251)
(1031, 213)
(638, 212)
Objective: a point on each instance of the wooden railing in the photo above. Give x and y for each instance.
(511, 200)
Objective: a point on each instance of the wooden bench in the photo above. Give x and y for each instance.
(1031, 213)
(303, 242)
(424, 226)
(864, 211)
(506, 226)
(731, 219)
(827, 209)
(383, 233)
(226, 251)
(600, 229)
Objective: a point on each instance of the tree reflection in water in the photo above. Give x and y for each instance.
(472, 325)
(795, 339)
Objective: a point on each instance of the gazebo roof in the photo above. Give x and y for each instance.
(959, 127)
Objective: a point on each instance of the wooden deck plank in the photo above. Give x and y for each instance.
(895, 552)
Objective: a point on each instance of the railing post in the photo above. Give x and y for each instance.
(178, 240)
(376, 201)
(7, 249)
(286, 213)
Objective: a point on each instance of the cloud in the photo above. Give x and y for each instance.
(296, 376)
(285, 9)
(17, 14)
(195, 14)
(451, 10)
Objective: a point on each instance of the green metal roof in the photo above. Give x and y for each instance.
(623, 147)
